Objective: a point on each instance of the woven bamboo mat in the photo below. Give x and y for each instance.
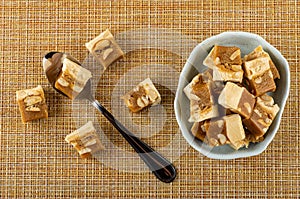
(36, 161)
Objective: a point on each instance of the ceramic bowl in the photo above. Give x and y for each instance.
(246, 42)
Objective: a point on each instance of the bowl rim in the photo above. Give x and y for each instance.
(179, 91)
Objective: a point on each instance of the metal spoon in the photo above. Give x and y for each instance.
(160, 166)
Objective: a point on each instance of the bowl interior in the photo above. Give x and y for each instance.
(246, 42)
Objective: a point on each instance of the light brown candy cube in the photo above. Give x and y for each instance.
(200, 112)
(72, 78)
(202, 82)
(232, 73)
(256, 67)
(85, 140)
(258, 71)
(220, 131)
(258, 52)
(237, 99)
(210, 131)
(202, 105)
(223, 55)
(262, 117)
(198, 130)
(105, 49)
(263, 84)
(143, 95)
(209, 60)
(226, 63)
(32, 104)
(234, 130)
(215, 132)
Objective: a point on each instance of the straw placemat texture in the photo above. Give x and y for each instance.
(36, 161)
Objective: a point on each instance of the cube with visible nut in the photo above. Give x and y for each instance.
(234, 131)
(258, 52)
(256, 67)
(237, 99)
(226, 63)
(223, 55)
(105, 48)
(259, 73)
(200, 112)
(262, 84)
(227, 55)
(198, 131)
(85, 140)
(210, 131)
(215, 132)
(202, 105)
(200, 83)
(32, 104)
(143, 95)
(232, 73)
(262, 117)
(72, 78)
(220, 131)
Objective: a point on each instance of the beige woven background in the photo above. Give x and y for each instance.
(35, 160)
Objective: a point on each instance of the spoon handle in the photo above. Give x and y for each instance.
(160, 166)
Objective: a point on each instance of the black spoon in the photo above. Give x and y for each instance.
(160, 166)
